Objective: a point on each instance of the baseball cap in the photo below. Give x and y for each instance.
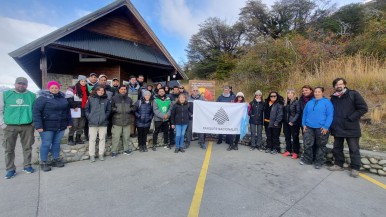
(115, 79)
(21, 80)
(93, 74)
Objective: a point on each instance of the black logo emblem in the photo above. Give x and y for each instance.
(221, 116)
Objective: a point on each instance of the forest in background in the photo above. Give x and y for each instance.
(298, 42)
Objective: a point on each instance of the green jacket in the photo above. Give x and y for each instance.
(16, 108)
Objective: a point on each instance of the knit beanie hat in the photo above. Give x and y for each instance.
(258, 92)
(239, 94)
(146, 93)
(50, 83)
(82, 77)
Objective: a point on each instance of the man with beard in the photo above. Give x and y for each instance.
(161, 108)
(349, 107)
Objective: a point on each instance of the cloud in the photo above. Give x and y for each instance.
(182, 17)
(19, 33)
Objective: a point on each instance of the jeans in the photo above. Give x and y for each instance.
(180, 134)
(256, 135)
(50, 143)
(353, 147)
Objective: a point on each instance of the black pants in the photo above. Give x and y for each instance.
(237, 140)
(171, 135)
(353, 147)
(228, 138)
(161, 126)
(273, 137)
(291, 134)
(142, 136)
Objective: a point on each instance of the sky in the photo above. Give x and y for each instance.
(173, 21)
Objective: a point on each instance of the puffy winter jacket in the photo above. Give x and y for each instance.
(144, 113)
(348, 109)
(51, 112)
(121, 107)
(97, 110)
(276, 114)
(180, 114)
(256, 112)
(161, 107)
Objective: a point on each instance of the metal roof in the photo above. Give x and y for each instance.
(98, 43)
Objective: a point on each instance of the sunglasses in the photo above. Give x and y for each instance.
(273, 96)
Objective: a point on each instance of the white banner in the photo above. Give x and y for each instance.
(218, 117)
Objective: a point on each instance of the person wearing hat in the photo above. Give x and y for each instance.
(256, 120)
(143, 117)
(201, 136)
(92, 80)
(235, 145)
(226, 96)
(102, 82)
(77, 102)
(115, 86)
(16, 119)
(51, 117)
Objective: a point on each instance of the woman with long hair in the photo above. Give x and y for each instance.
(179, 118)
(273, 118)
(291, 126)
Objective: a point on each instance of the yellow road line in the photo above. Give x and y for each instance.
(368, 178)
(197, 197)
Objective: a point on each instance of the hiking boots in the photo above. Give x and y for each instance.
(78, 140)
(70, 141)
(44, 166)
(57, 163)
(354, 173)
(335, 168)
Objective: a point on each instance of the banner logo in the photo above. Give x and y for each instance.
(221, 116)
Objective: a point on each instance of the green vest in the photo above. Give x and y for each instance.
(163, 106)
(18, 107)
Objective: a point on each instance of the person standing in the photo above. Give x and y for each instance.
(291, 127)
(115, 86)
(143, 117)
(273, 118)
(256, 120)
(16, 119)
(349, 107)
(235, 144)
(226, 96)
(161, 108)
(97, 110)
(121, 108)
(51, 116)
(92, 80)
(133, 93)
(316, 122)
(77, 102)
(201, 136)
(174, 95)
(179, 118)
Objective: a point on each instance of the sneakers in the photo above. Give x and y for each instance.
(335, 168)
(274, 151)
(10, 174)
(252, 148)
(354, 173)
(154, 148)
(182, 150)
(44, 166)
(267, 150)
(101, 158)
(286, 154)
(28, 170)
(92, 159)
(127, 152)
(219, 142)
(167, 147)
(57, 163)
(294, 156)
(176, 150)
(113, 155)
(301, 162)
(318, 167)
(229, 148)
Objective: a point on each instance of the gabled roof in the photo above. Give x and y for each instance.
(64, 31)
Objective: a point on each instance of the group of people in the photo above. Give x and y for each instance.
(99, 110)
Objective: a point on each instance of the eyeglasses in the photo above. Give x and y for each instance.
(273, 96)
(181, 88)
(195, 90)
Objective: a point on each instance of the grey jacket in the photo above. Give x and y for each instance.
(158, 114)
(97, 110)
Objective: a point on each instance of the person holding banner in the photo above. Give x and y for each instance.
(235, 145)
(273, 117)
(161, 108)
(226, 96)
(179, 118)
(256, 120)
(201, 137)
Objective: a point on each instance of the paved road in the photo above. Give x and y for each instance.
(162, 183)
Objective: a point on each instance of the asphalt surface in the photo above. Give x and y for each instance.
(162, 183)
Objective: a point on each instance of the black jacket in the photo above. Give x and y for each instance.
(144, 113)
(51, 112)
(348, 109)
(292, 112)
(97, 110)
(180, 114)
(276, 114)
(121, 106)
(256, 112)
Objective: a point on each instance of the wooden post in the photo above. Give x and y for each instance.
(43, 66)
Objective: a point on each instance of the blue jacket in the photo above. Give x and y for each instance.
(318, 113)
(223, 98)
(144, 113)
(51, 112)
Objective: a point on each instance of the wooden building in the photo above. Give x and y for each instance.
(115, 41)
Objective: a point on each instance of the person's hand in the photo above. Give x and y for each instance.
(76, 109)
(305, 129)
(290, 123)
(324, 131)
(165, 117)
(39, 130)
(173, 126)
(69, 127)
(3, 126)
